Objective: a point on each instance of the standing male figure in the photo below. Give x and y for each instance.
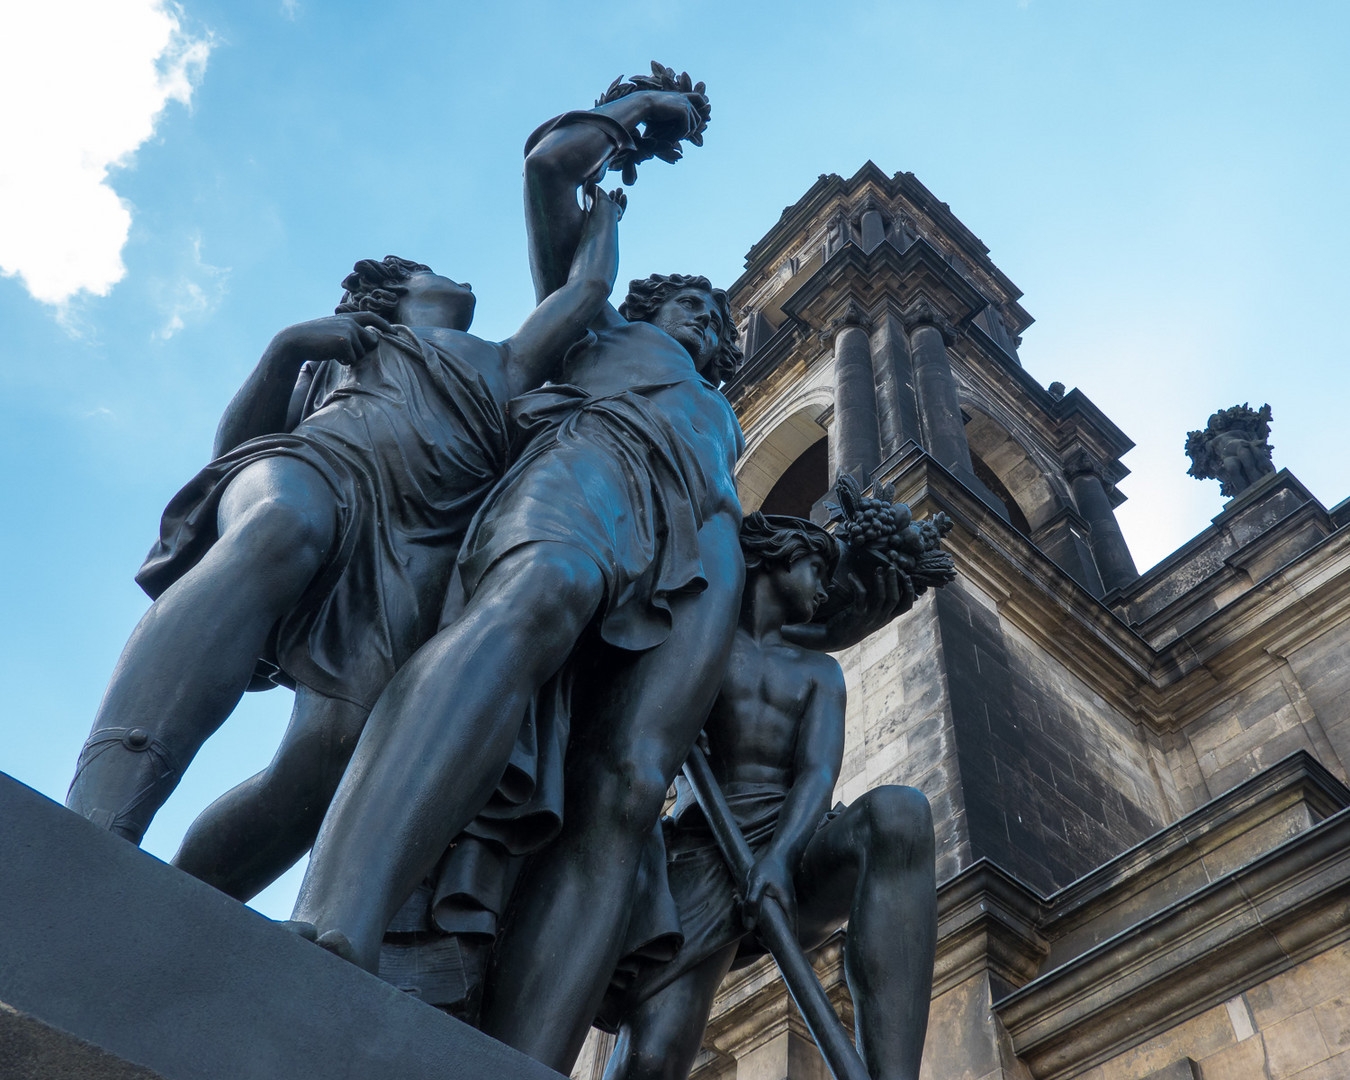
(602, 579)
(620, 515)
(776, 742)
(323, 541)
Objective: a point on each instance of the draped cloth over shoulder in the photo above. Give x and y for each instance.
(410, 440)
(615, 478)
(628, 478)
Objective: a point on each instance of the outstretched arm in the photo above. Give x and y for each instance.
(578, 147)
(262, 404)
(533, 351)
(890, 596)
(819, 757)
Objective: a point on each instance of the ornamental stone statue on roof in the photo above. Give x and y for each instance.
(1232, 449)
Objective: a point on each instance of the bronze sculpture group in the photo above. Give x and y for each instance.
(511, 584)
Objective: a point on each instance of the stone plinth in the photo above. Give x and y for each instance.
(115, 966)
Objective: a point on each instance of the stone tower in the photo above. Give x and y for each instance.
(1138, 781)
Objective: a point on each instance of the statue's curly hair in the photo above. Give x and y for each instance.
(376, 286)
(646, 295)
(767, 539)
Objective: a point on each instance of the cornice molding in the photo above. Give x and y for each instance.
(1238, 931)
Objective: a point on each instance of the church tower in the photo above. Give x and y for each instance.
(1138, 780)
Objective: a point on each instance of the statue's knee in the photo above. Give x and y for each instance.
(899, 819)
(548, 587)
(627, 795)
(281, 528)
(280, 509)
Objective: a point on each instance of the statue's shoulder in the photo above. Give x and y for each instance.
(457, 342)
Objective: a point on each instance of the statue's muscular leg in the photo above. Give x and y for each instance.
(874, 866)
(256, 831)
(560, 945)
(190, 659)
(438, 740)
(661, 1037)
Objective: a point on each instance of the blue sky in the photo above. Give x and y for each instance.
(1166, 182)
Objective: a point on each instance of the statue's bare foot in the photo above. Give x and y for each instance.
(336, 942)
(306, 930)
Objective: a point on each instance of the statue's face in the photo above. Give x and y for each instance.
(692, 318)
(802, 587)
(432, 300)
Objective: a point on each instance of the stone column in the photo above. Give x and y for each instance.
(936, 387)
(873, 229)
(897, 408)
(857, 439)
(1109, 550)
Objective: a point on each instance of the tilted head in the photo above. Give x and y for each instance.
(695, 314)
(798, 555)
(402, 291)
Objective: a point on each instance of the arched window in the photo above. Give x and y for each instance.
(1003, 464)
(803, 484)
(769, 469)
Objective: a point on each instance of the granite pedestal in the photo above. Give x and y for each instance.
(116, 966)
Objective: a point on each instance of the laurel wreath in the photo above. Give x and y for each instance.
(649, 144)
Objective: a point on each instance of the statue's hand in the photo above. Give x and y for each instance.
(344, 338)
(770, 878)
(890, 595)
(673, 115)
(669, 109)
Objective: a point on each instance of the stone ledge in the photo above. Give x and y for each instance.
(1226, 833)
(1241, 929)
(106, 948)
(988, 920)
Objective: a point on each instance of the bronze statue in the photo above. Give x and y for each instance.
(322, 539)
(601, 581)
(1232, 448)
(522, 599)
(775, 741)
(613, 535)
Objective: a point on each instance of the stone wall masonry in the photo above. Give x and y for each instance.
(1253, 729)
(1282, 909)
(1187, 576)
(1053, 783)
(1322, 697)
(898, 727)
(1107, 745)
(1295, 1026)
(964, 1041)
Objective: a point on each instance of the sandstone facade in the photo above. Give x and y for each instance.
(1138, 780)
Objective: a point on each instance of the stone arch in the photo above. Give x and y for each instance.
(1033, 487)
(776, 443)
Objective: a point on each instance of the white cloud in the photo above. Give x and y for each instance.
(290, 9)
(196, 291)
(85, 82)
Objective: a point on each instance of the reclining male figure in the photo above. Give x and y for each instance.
(776, 740)
(323, 540)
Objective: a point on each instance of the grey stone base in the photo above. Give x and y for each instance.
(115, 966)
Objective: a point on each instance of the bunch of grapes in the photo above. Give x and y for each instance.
(881, 531)
(876, 523)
